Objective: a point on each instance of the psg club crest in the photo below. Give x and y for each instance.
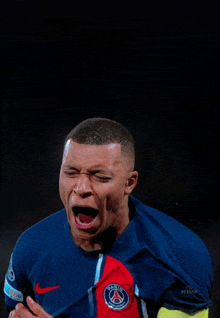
(116, 297)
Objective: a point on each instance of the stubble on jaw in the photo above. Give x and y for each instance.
(103, 241)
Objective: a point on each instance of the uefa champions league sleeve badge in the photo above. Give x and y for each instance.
(10, 272)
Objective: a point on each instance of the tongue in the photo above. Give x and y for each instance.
(85, 218)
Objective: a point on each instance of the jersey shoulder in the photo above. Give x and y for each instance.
(46, 226)
(175, 246)
(40, 237)
(166, 232)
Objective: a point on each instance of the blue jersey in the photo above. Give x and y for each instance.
(157, 262)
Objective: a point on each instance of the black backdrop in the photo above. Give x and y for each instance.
(154, 68)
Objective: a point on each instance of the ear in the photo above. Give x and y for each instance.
(131, 182)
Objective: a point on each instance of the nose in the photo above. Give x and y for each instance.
(82, 186)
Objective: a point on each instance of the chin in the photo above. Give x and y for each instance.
(80, 233)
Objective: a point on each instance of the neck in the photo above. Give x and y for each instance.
(103, 241)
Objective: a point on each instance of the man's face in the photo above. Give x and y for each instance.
(95, 181)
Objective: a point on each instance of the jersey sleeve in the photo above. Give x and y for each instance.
(17, 286)
(175, 264)
(191, 292)
(185, 298)
(12, 291)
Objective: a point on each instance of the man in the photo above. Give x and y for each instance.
(106, 254)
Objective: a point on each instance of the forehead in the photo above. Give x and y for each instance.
(109, 154)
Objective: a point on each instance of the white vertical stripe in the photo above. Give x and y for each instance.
(143, 304)
(136, 291)
(91, 302)
(144, 309)
(90, 291)
(98, 268)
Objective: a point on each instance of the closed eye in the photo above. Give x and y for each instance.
(70, 173)
(103, 179)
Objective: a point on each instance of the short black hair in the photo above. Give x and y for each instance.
(103, 131)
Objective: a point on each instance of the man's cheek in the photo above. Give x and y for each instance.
(112, 203)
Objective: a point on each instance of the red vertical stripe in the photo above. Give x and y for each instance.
(115, 289)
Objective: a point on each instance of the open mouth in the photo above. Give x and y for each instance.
(84, 216)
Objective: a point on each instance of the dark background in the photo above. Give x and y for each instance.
(153, 67)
